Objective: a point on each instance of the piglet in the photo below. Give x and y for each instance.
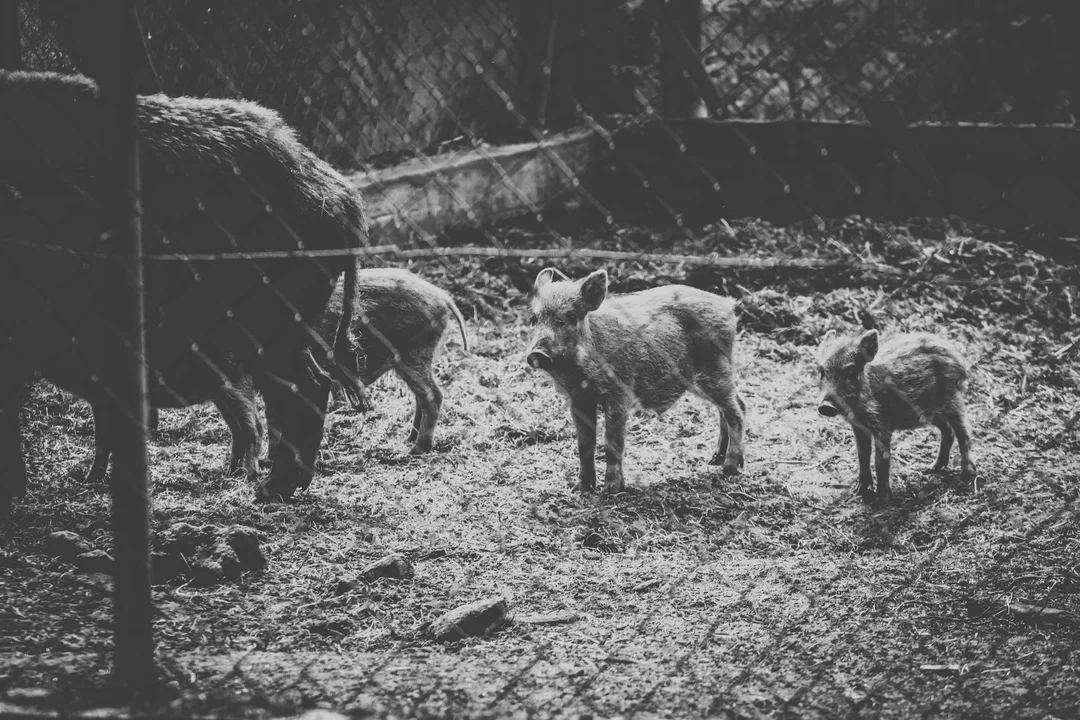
(904, 382)
(641, 350)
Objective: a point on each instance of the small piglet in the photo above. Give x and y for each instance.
(399, 321)
(627, 352)
(907, 382)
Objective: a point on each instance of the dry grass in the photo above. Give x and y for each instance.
(771, 593)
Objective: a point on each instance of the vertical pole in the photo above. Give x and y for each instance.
(10, 48)
(678, 95)
(601, 90)
(125, 366)
(537, 26)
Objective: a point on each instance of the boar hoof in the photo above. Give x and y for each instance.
(717, 458)
(419, 449)
(968, 474)
(271, 492)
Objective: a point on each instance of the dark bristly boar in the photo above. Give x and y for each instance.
(904, 382)
(218, 176)
(399, 322)
(642, 350)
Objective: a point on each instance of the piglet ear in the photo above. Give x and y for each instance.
(829, 335)
(544, 277)
(868, 345)
(594, 289)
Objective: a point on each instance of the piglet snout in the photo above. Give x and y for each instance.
(828, 409)
(539, 360)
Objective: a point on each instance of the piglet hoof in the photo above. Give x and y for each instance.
(614, 486)
(864, 493)
(732, 466)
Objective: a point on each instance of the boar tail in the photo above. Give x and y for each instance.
(347, 353)
(460, 322)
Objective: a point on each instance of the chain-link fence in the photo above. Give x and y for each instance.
(491, 139)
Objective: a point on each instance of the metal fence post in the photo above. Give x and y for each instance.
(679, 96)
(126, 369)
(10, 47)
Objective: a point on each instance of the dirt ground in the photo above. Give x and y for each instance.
(769, 594)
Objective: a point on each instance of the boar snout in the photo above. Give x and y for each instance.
(539, 360)
(827, 408)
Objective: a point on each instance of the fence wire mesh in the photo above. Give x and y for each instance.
(688, 592)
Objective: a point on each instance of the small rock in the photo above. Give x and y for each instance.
(646, 586)
(65, 545)
(334, 626)
(209, 554)
(342, 585)
(322, 714)
(391, 566)
(477, 619)
(554, 618)
(166, 566)
(363, 706)
(95, 561)
(31, 696)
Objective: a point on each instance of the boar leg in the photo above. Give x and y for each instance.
(942, 424)
(237, 407)
(583, 410)
(429, 399)
(12, 466)
(102, 449)
(273, 426)
(957, 418)
(863, 444)
(729, 451)
(614, 441)
(301, 391)
(882, 459)
(718, 458)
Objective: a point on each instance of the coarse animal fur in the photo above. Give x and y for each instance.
(400, 322)
(642, 350)
(901, 383)
(218, 176)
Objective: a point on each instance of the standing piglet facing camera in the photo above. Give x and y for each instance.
(907, 382)
(642, 350)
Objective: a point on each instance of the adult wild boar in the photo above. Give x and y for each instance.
(640, 350)
(218, 176)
